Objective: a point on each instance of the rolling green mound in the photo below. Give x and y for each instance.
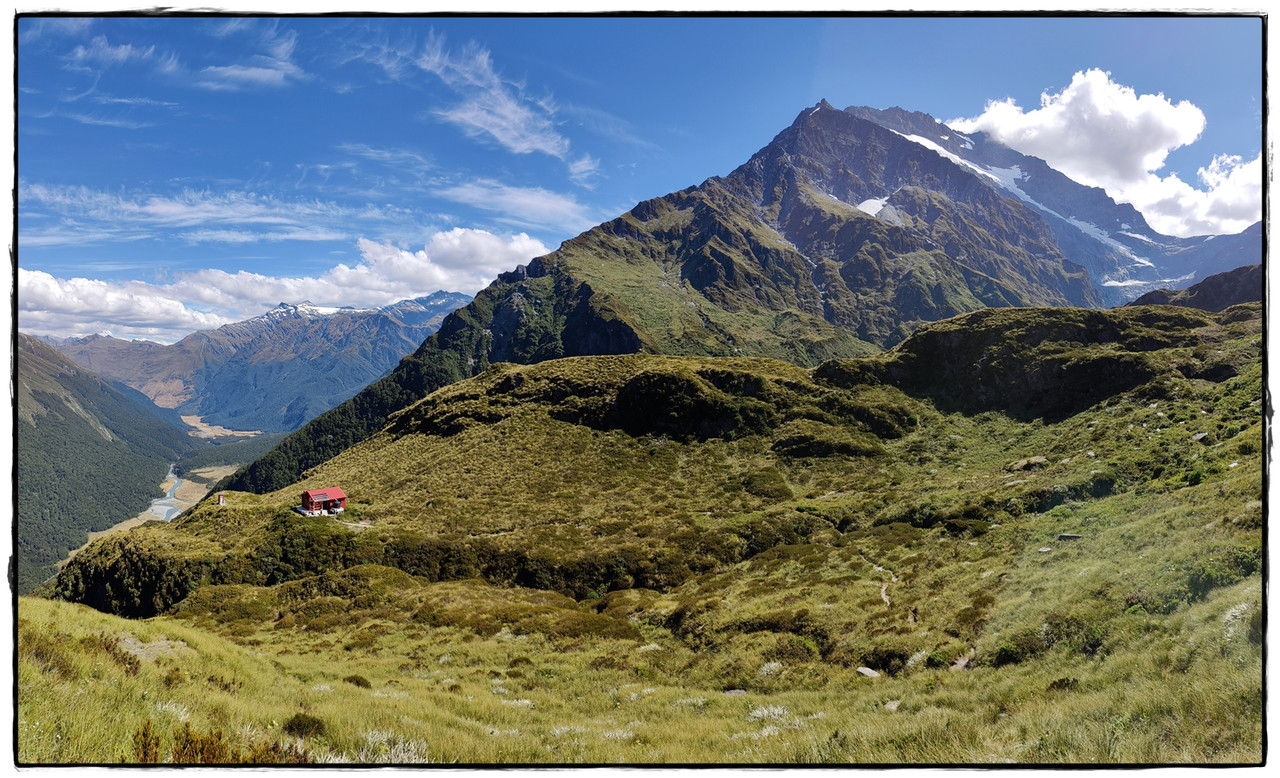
(1021, 535)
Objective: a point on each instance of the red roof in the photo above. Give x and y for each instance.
(319, 495)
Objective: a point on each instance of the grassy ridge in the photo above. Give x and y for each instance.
(755, 561)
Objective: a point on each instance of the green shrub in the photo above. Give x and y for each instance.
(1017, 649)
(937, 660)
(1222, 566)
(304, 725)
(358, 680)
(768, 484)
(1257, 627)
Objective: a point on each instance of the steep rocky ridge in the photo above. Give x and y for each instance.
(1125, 257)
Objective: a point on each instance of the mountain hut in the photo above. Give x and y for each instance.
(317, 502)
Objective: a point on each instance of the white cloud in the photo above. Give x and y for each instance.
(491, 105)
(101, 52)
(85, 216)
(35, 29)
(108, 121)
(76, 306)
(458, 260)
(1104, 134)
(522, 206)
(239, 76)
(582, 170)
(273, 69)
(1228, 202)
(398, 159)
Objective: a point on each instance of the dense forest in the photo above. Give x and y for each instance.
(90, 454)
(234, 452)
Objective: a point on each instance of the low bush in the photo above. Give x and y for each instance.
(304, 725)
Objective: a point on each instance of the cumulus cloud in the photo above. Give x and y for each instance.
(1105, 134)
(463, 260)
(76, 306)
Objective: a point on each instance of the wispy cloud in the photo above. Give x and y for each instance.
(273, 68)
(108, 121)
(522, 206)
(491, 106)
(145, 102)
(400, 159)
(100, 52)
(376, 47)
(584, 169)
(77, 215)
(607, 125)
(34, 29)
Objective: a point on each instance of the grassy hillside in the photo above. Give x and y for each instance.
(642, 558)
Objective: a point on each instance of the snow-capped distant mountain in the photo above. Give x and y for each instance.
(272, 372)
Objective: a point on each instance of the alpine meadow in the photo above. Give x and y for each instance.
(899, 440)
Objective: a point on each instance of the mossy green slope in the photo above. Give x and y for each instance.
(656, 559)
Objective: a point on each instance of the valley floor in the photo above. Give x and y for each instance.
(202, 430)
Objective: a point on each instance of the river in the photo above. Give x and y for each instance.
(165, 508)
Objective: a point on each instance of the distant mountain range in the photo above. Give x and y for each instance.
(837, 239)
(273, 372)
(91, 453)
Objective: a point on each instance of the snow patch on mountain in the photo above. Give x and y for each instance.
(307, 308)
(873, 206)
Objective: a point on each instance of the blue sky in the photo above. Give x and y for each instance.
(180, 173)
